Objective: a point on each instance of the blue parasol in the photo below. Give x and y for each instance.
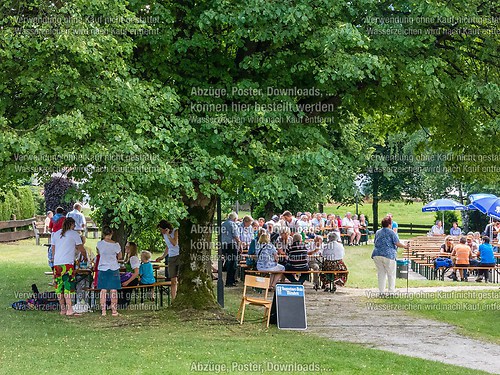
(443, 205)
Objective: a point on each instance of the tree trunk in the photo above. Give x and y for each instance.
(375, 182)
(195, 287)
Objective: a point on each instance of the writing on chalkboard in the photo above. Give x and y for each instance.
(290, 290)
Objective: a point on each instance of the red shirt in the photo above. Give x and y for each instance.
(54, 226)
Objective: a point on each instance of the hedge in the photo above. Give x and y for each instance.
(19, 202)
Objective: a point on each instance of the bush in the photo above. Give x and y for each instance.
(26, 202)
(55, 194)
(18, 202)
(39, 200)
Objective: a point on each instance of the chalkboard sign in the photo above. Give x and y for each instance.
(291, 306)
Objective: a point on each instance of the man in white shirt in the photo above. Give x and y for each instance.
(437, 230)
(289, 221)
(348, 226)
(77, 215)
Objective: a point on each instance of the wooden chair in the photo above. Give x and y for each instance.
(256, 282)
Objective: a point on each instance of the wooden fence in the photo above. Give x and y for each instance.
(14, 234)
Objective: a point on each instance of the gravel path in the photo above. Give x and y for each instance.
(344, 316)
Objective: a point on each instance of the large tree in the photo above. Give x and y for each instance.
(157, 96)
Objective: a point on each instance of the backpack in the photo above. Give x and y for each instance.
(442, 262)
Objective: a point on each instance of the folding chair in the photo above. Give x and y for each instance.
(256, 282)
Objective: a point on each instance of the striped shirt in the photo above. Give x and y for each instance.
(297, 256)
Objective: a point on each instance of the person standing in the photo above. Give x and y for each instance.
(56, 223)
(64, 242)
(172, 250)
(230, 243)
(246, 232)
(110, 253)
(46, 223)
(384, 255)
(394, 225)
(79, 218)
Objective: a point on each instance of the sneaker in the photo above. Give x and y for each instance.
(479, 279)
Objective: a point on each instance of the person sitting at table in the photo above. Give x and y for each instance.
(253, 249)
(461, 255)
(474, 248)
(268, 258)
(146, 272)
(297, 260)
(476, 237)
(363, 228)
(437, 229)
(109, 270)
(283, 244)
(447, 246)
(348, 227)
(315, 251)
(333, 254)
(455, 230)
(131, 278)
(487, 259)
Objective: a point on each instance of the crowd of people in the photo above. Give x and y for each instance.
(291, 243)
(471, 250)
(67, 253)
(287, 245)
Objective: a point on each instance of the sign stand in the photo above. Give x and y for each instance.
(291, 306)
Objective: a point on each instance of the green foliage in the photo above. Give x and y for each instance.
(26, 202)
(116, 105)
(18, 202)
(148, 239)
(39, 200)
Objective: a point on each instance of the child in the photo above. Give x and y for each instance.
(146, 269)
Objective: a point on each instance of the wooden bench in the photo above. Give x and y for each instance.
(90, 227)
(333, 287)
(159, 287)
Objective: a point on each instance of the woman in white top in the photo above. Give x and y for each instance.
(109, 270)
(64, 242)
(333, 254)
(171, 238)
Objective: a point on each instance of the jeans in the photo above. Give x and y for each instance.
(230, 252)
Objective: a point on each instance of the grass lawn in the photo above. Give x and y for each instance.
(150, 342)
(402, 212)
(474, 312)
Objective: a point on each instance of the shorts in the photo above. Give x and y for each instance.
(350, 231)
(64, 278)
(173, 266)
